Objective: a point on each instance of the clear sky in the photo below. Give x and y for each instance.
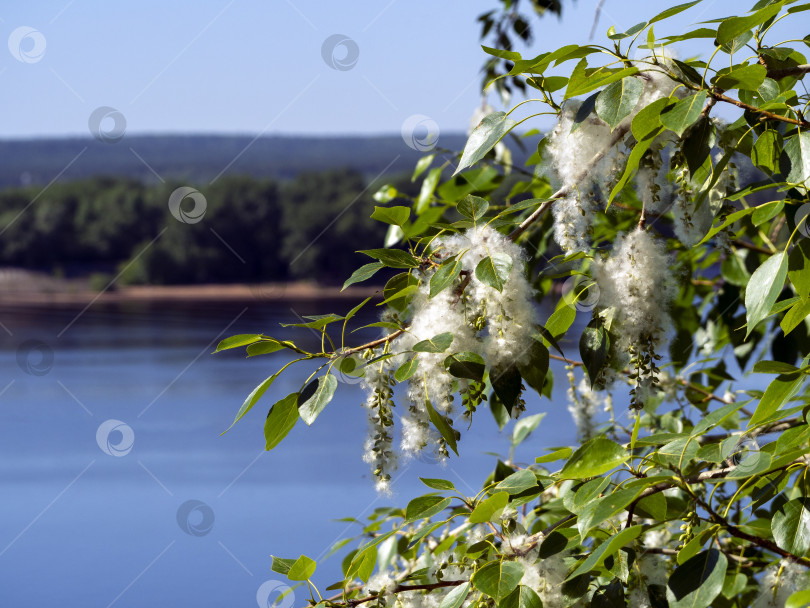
(250, 66)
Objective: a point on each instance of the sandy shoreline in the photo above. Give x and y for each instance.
(184, 293)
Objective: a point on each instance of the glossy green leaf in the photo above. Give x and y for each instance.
(429, 184)
(362, 565)
(445, 275)
(732, 27)
(593, 348)
(302, 569)
(522, 597)
(466, 365)
(763, 289)
(585, 80)
(684, 113)
(518, 482)
(593, 458)
(436, 344)
(494, 270)
(498, 579)
(799, 599)
(444, 428)
(363, 273)
(237, 341)
(484, 137)
(422, 165)
(506, 382)
(617, 100)
(490, 508)
(525, 426)
(438, 484)
(696, 583)
(534, 367)
(767, 150)
(747, 77)
(606, 549)
(393, 258)
(315, 397)
(426, 506)
(673, 10)
(391, 215)
(797, 152)
(791, 526)
(407, 369)
(281, 565)
(473, 207)
(280, 420)
(252, 399)
(456, 597)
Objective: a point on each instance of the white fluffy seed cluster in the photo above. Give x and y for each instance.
(636, 283)
(502, 336)
(545, 576)
(583, 404)
(780, 581)
(573, 146)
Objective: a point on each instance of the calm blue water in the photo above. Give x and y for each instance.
(81, 527)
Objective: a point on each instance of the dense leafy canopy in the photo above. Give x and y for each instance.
(686, 284)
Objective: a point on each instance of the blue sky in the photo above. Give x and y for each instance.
(245, 66)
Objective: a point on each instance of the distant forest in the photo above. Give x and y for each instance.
(200, 159)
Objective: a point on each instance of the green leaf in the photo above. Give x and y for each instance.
(697, 582)
(774, 367)
(436, 344)
(466, 365)
(489, 508)
(281, 565)
(438, 484)
(684, 113)
(422, 165)
(738, 43)
(534, 368)
(498, 579)
(442, 426)
(584, 79)
(393, 258)
(445, 275)
(648, 118)
(494, 270)
(302, 569)
(426, 506)
(426, 191)
(764, 287)
(583, 112)
(525, 426)
(633, 161)
(797, 152)
(593, 348)
(698, 143)
(597, 511)
(800, 599)
(264, 347)
(385, 194)
(767, 150)
(674, 10)
(605, 550)
(506, 383)
(791, 526)
(746, 77)
(795, 315)
(315, 397)
(456, 597)
(593, 458)
(237, 341)
(617, 100)
(407, 369)
(391, 215)
(732, 27)
(473, 207)
(252, 399)
(363, 273)
(280, 420)
(362, 564)
(799, 268)
(489, 132)
(518, 482)
(558, 454)
(522, 597)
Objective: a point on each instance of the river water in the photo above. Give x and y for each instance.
(118, 490)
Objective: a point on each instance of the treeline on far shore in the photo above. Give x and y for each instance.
(252, 229)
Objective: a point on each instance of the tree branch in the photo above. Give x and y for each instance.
(763, 113)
